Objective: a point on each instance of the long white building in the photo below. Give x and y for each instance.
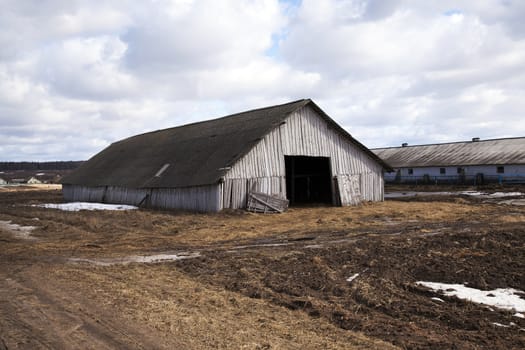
(476, 161)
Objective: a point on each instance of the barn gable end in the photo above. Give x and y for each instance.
(304, 132)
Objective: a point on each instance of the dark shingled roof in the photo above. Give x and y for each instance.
(486, 152)
(197, 153)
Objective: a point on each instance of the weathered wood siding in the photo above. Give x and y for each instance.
(201, 198)
(304, 133)
(77, 193)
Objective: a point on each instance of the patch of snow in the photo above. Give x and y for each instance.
(260, 245)
(353, 277)
(76, 206)
(492, 195)
(430, 234)
(17, 230)
(466, 193)
(346, 240)
(505, 194)
(438, 299)
(314, 246)
(473, 193)
(513, 202)
(414, 194)
(155, 259)
(508, 298)
(520, 315)
(500, 325)
(163, 257)
(40, 174)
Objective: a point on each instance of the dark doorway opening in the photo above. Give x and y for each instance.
(308, 179)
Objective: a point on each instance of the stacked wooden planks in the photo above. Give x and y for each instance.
(264, 203)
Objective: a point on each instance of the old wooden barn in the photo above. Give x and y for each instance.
(292, 151)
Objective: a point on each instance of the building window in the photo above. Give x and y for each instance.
(442, 171)
(500, 170)
(461, 171)
(410, 171)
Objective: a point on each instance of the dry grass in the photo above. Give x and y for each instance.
(203, 317)
(34, 187)
(119, 233)
(193, 310)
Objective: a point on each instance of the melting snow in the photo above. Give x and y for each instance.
(260, 245)
(353, 277)
(158, 258)
(314, 246)
(508, 298)
(513, 202)
(76, 206)
(414, 194)
(466, 193)
(503, 325)
(492, 195)
(17, 230)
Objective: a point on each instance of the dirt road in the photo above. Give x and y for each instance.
(311, 278)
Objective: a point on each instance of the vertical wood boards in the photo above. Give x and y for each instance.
(304, 133)
(265, 203)
(349, 189)
(198, 198)
(201, 198)
(75, 193)
(236, 190)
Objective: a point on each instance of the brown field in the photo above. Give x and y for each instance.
(255, 281)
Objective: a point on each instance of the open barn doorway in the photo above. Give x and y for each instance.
(308, 180)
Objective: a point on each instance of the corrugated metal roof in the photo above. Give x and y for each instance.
(484, 152)
(197, 154)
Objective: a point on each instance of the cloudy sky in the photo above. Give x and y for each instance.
(78, 75)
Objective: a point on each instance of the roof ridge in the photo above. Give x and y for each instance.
(451, 143)
(263, 108)
(306, 101)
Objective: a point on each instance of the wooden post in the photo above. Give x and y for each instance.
(292, 182)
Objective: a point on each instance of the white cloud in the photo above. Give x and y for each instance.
(424, 73)
(263, 75)
(76, 76)
(404, 43)
(202, 34)
(86, 68)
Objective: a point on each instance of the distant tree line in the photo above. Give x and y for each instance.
(58, 165)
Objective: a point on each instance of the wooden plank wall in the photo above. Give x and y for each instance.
(123, 195)
(349, 189)
(202, 198)
(304, 133)
(77, 193)
(236, 190)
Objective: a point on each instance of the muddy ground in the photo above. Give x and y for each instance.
(254, 281)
